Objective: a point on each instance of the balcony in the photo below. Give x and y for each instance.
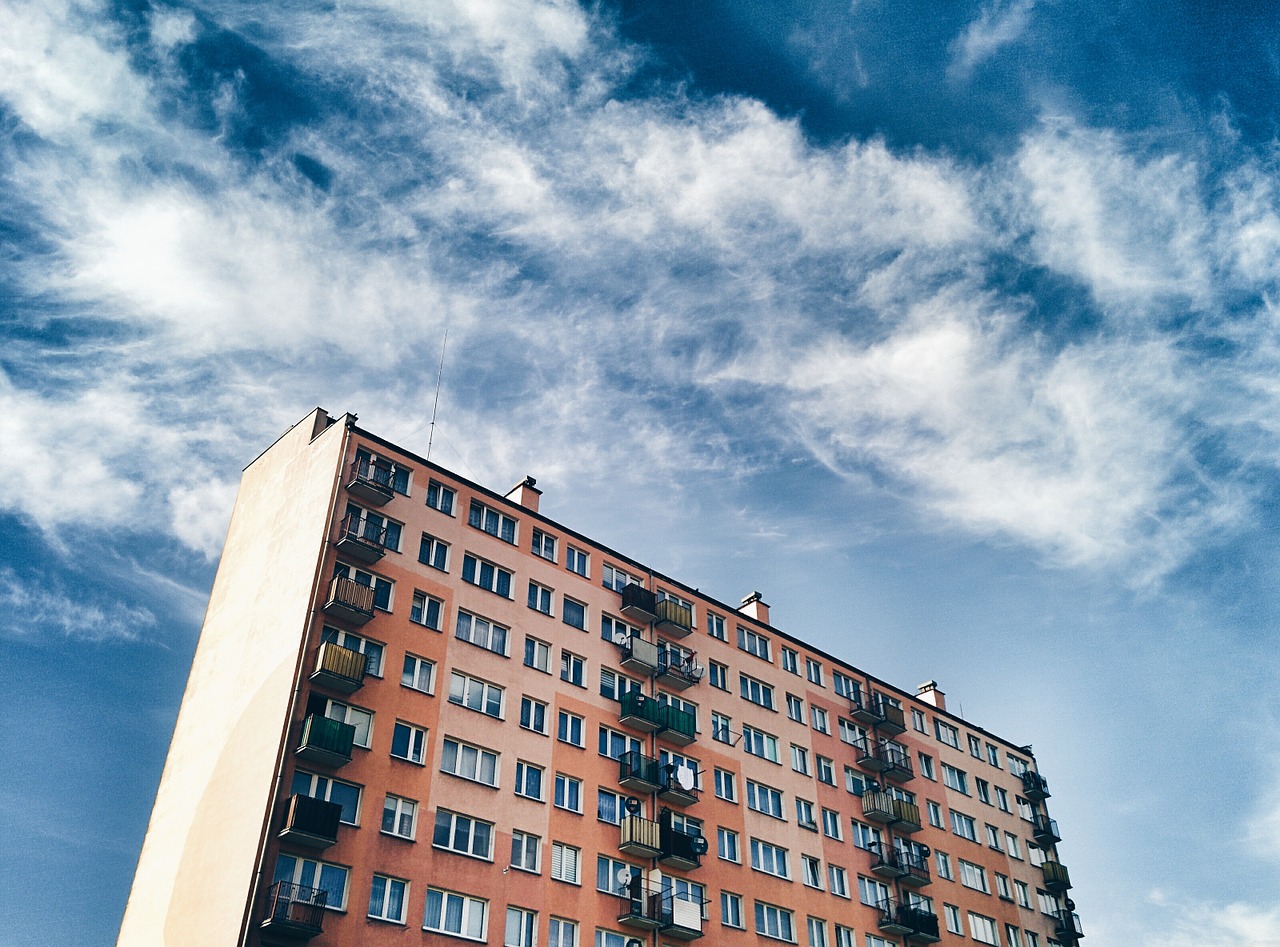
(371, 482)
(877, 712)
(638, 655)
(915, 869)
(677, 919)
(1034, 786)
(1056, 878)
(640, 837)
(677, 669)
(679, 785)
(879, 807)
(648, 715)
(349, 601)
(897, 763)
(293, 911)
(638, 603)
(675, 619)
(645, 911)
(682, 920)
(905, 920)
(886, 862)
(311, 822)
(1066, 927)
(866, 753)
(906, 817)
(679, 850)
(339, 668)
(364, 541)
(1045, 831)
(640, 773)
(326, 741)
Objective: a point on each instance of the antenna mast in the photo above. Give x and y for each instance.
(435, 407)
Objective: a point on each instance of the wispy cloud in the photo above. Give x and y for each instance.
(1203, 924)
(998, 25)
(32, 612)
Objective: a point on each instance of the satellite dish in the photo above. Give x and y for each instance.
(698, 844)
(632, 805)
(624, 877)
(924, 851)
(620, 637)
(635, 942)
(685, 777)
(1071, 905)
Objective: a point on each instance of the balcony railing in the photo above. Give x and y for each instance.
(365, 540)
(676, 619)
(647, 714)
(639, 655)
(1066, 927)
(680, 850)
(638, 603)
(641, 837)
(339, 668)
(916, 868)
(879, 807)
(326, 741)
(682, 920)
(1045, 831)
(372, 482)
(679, 785)
(311, 822)
(676, 668)
(349, 600)
(642, 910)
(886, 861)
(675, 918)
(905, 920)
(878, 712)
(1035, 786)
(294, 911)
(1056, 878)
(640, 773)
(906, 816)
(881, 756)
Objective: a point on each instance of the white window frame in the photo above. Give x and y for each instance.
(566, 863)
(481, 516)
(476, 694)
(755, 644)
(526, 851)
(397, 810)
(416, 745)
(413, 670)
(476, 835)
(524, 772)
(382, 910)
(470, 906)
(478, 755)
(543, 545)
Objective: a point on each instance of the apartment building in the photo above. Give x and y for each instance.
(422, 712)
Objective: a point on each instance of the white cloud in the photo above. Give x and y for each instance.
(1205, 924)
(32, 613)
(998, 25)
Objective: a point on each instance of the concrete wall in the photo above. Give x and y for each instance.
(196, 869)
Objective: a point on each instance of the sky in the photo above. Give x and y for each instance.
(951, 327)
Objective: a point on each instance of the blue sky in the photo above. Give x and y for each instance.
(952, 329)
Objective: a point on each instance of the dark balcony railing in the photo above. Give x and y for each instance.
(640, 773)
(1056, 878)
(673, 917)
(1045, 831)
(294, 911)
(373, 482)
(866, 753)
(365, 540)
(638, 603)
(676, 619)
(915, 867)
(915, 923)
(878, 712)
(1066, 927)
(349, 600)
(1035, 786)
(642, 837)
(897, 763)
(645, 713)
(639, 655)
(339, 668)
(646, 911)
(311, 822)
(886, 861)
(679, 785)
(326, 741)
(680, 850)
(676, 668)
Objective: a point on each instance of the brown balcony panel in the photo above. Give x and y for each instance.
(675, 619)
(639, 604)
(294, 912)
(310, 822)
(892, 720)
(339, 668)
(878, 807)
(906, 816)
(349, 601)
(1056, 878)
(371, 483)
(641, 837)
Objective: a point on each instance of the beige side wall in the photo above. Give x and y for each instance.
(197, 862)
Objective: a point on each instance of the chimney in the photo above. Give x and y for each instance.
(753, 606)
(526, 494)
(929, 693)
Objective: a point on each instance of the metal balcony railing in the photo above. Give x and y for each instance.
(910, 921)
(1045, 831)
(1066, 927)
(640, 773)
(311, 822)
(1056, 878)
(1035, 786)
(294, 911)
(349, 600)
(373, 482)
(362, 539)
(677, 668)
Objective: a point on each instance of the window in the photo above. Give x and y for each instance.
(845, 937)
(562, 933)
(574, 613)
(811, 871)
(1017, 765)
(935, 813)
(616, 579)
(528, 780)
(974, 876)
(926, 766)
(533, 715)
(408, 742)
(963, 826)
(572, 668)
(993, 755)
(1012, 846)
(761, 744)
(482, 633)
(975, 747)
(919, 721)
(316, 786)
(804, 814)
(983, 929)
(952, 914)
(1002, 799)
(718, 675)
(853, 781)
(790, 659)
(418, 673)
(851, 733)
(1024, 808)
(381, 587)
(865, 836)
(426, 610)
(1035, 854)
(872, 892)
(818, 717)
(946, 734)
(434, 553)
(1022, 894)
(726, 788)
(831, 823)
(795, 708)
(486, 575)
(440, 497)
(758, 692)
(399, 816)
(615, 630)
(569, 729)
(1002, 887)
(540, 597)
(770, 859)
(773, 921)
(764, 799)
(609, 806)
(492, 522)
(727, 845)
(826, 770)
(475, 694)
(873, 941)
(817, 932)
(568, 793)
(845, 686)
(565, 863)
(388, 899)
(614, 744)
(720, 731)
(955, 779)
(1011, 935)
(381, 470)
(457, 914)
(332, 879)
(993, 837)
(609, 870)
(544, 545)
(1048, 904)
(983, 789)
(522, 928)
(800, 759)
(463, 834)
(944, 866)
(1033, 939)
(614, 685)
(470, 762)
(731, 910)
(576, 561)
(537, 654)
(371, 650)
(839, 880)
(813, 670)
(715, 626)
(757, 644)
